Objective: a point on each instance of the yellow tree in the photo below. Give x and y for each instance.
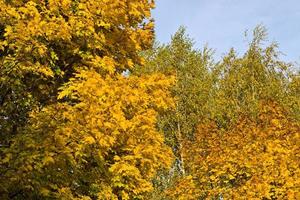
(252, 159)
(43, 42)
(88, 131)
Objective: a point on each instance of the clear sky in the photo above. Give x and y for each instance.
(222, 23)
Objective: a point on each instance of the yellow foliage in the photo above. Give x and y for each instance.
(253, 159)
(92, 131)
(183, 189)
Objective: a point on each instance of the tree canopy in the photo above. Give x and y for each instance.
(91, 107)
(73, 126)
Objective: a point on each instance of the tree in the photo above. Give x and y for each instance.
(191, 69)
(42, 43)
(192, 89)
(81, 129)
(253, 159)
(242, 82)
(249, 145)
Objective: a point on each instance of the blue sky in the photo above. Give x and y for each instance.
(222, 23)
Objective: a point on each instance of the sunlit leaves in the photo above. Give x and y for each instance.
(87, 131)
(251, 159)
(42, 43)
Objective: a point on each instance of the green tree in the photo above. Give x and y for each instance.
(248, 146)
(192, 70)
(242, 82)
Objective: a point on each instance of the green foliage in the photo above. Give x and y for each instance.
(191, 69)
(225, 98)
